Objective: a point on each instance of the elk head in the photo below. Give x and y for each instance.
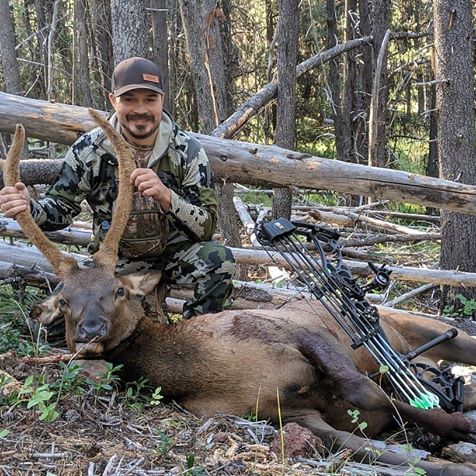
(100, 309)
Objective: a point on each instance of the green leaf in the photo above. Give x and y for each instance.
(4, 433)
(48, 413)
(190, 460)
(157, 396)
(39, 397)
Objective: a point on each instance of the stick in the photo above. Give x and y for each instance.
(409, 295)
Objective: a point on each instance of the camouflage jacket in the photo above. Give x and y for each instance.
(89, 173)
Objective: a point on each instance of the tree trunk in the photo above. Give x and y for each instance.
(11, 71)
(160, 49)
(42, 34)
(129, 29)
(365, 86)
(202, 25)
(102, 45)
(81, 65)
(288, 36)
(349, 87)
(334, 80)
(455, 105)
(174, 20)
(49, 50)
(380, 24)
(193, 19)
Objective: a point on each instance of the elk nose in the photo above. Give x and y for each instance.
(89, 329)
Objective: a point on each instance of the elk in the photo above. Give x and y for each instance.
(238, 361)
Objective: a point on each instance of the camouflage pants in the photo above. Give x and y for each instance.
(208, 266)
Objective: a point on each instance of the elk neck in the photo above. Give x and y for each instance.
(167, 355)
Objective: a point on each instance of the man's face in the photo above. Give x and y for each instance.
(139, 112)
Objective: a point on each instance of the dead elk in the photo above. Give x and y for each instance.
(236, 361)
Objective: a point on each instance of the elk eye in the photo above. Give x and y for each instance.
(62, 302)
(120, 292)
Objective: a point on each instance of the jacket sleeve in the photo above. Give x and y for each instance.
(62, 201)
(194, 210)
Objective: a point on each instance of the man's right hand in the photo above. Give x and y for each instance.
(14, 200)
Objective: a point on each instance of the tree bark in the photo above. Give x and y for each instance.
(334, 80)
(194, 20)
(455, 105)
(81, 65)
(380, 24)
(49, 49)
(129, 29)
(41, 24)
(11, 71)
(348, 99)
(160, 45)
(102, 46)
(377, 117)
(288, 36)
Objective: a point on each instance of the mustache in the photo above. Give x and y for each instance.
(143, 117)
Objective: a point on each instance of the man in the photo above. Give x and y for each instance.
(175, 211)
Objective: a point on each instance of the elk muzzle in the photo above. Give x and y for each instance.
(91, 328)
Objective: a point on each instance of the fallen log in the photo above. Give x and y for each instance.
(409, 295)
(246, 219)
(27, 255)
(405, 216)
(353, 219)
(68, 236)
(247, 163)
(375, 239)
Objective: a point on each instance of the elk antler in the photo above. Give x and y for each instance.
(106, 256)
(61, 263)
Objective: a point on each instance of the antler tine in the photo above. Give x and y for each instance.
(61, 263)
(106, 256)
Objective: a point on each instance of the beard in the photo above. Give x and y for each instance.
(137, 134)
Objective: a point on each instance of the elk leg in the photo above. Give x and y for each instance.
(352, 385)
(359, 390)
(418, 330)
(364, 449)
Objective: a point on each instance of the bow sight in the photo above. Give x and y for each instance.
(327, 277)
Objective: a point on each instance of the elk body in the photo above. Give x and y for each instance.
(236, 361)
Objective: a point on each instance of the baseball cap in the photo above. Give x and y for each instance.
(136, 73)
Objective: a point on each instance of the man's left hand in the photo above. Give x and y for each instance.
(149, 184)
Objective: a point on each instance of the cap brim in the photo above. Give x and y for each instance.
(130, 87)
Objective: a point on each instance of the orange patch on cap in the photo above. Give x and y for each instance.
(151, 77)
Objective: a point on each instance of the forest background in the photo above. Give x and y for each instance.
(398, 94)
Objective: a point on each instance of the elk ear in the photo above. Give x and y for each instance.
(46, 311)
(142, 284)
